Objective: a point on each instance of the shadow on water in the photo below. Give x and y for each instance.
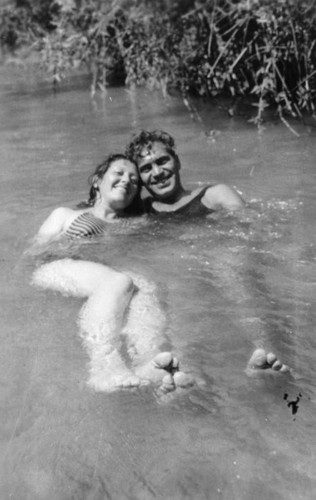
(227, 284)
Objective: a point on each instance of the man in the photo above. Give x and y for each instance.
(159, 168)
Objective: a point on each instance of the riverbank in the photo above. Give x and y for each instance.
(261, 50)
(25, 75)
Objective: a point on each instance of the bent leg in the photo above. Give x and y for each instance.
(146, 322)
(101, 317)
(78, 278)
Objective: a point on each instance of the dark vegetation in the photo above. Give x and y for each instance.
(262, 50)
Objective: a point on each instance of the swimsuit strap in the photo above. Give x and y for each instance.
(84, 225)
(193, 207)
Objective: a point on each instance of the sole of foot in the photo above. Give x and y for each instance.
(262, 362)
(116, 382)
(160, 366)
(163, 371)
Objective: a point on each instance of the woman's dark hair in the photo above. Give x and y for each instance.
(135, 208)
(145, 139)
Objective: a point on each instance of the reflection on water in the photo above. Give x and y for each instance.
(227, 283)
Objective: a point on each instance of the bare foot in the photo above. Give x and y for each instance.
(261, 361)
(164, 371)
(110, 382)
(183, 380)
(155, 370)
(109, 373)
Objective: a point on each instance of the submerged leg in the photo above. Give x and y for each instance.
(146, 322)
(101, 317)
(144, 331)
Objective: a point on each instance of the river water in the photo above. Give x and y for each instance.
(227, 283)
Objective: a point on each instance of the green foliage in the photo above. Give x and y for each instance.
(265, 49)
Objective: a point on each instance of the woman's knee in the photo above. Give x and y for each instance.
(124, 282)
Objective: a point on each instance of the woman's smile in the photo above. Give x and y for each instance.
(119, 184)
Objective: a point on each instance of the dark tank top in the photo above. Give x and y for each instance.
(85, 225)
(193, 207)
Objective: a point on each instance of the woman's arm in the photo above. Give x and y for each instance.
(53, 227)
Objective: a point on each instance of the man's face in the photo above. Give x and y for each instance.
(159, 171)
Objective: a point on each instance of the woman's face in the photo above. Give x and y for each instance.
(119, 184)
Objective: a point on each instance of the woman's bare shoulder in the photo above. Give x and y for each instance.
(55, 225)
(57, 222)
(63, 212)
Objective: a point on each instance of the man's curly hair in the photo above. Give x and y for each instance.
(142, 143)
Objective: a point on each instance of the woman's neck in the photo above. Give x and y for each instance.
(105, 212)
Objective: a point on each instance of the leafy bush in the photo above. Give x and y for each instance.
(263, 49)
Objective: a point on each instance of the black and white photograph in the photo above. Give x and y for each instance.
(158, 249)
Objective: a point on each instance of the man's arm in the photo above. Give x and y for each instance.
(222, 196)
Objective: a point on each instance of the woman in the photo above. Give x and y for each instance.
(114, 192)
(111, 295)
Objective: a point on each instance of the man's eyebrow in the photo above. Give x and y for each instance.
(160, 159)
(163, 157)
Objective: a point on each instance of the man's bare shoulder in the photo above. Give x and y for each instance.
(222, 196)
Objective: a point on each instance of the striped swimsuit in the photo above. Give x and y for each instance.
(85, 225)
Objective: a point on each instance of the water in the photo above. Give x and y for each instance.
(226, 283)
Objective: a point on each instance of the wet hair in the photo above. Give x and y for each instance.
(145, 139)
(135, 208)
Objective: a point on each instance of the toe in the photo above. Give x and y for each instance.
(277, 365)
(175, 363)
(168, 383)
(258, 359)
(284, 369)
(163, 359)
(182, 379)
(271, 358)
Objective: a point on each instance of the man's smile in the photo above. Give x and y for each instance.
(161, 181)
